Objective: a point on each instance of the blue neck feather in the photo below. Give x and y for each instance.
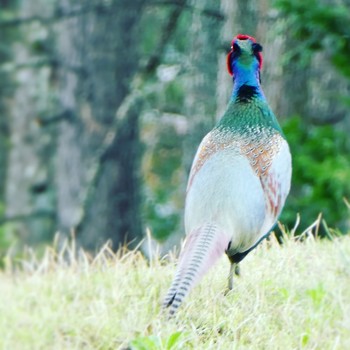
(244, 76)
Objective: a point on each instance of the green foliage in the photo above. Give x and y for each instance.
(155, 343)
(161, 211)
(321, 173)
(318, 26)
(317, 295)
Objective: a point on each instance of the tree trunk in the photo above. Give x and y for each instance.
(98, 57)
(30, 200)
(6, 87)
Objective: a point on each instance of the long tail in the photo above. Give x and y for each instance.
(202, 249)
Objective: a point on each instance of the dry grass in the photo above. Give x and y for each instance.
(290, 297)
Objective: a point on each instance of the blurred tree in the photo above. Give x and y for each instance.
(6, 86)
(30, 206)
(83, 81)
(98, 54)
(6, 89)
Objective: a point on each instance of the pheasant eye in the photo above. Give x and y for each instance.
(236, 48)
(233, 54)
(257, 48)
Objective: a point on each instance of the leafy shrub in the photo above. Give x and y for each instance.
(321, 174)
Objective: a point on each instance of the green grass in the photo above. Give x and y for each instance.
(291, 297)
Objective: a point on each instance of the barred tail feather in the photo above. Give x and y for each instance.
(202, 249)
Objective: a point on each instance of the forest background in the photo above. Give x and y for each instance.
(104, 102)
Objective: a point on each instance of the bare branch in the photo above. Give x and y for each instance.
(67, 115)
(170, 27)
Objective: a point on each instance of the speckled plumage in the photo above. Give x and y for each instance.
(239, 179)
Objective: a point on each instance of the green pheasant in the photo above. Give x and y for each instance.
(239, 179)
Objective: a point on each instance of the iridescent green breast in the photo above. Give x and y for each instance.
(255, 116)
(254, 131)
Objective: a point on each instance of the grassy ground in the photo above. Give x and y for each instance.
(290, 297)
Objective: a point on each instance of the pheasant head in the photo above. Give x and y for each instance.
(244, 63)
(245, 53)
